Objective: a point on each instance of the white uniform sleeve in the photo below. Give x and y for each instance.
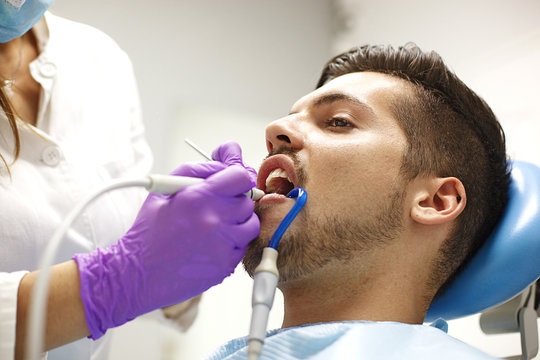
(142, 154)
(182, 315)
(9, 287)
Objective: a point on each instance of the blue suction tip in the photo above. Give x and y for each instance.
(300, 195)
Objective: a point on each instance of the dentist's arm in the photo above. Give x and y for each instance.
(178, 247)
(65, 313)
(228, 153)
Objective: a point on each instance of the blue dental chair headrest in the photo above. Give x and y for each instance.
(508, 262)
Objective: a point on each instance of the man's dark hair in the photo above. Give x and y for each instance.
(450, 131)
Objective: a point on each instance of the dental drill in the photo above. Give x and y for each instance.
(163, 184)
(266, 278)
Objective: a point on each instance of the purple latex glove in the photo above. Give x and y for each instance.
(230, 153)
(178, 247)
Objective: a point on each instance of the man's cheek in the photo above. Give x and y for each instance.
(271, 217)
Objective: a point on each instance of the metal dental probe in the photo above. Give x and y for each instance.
(197, 148)
(255, 194)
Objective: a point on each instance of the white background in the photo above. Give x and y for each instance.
(214, 70)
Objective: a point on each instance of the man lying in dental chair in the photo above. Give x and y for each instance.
(406, 172)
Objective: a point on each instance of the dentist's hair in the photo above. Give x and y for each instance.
(7, 108)
(450, 131)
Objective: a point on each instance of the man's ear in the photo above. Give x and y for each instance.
(438, 200)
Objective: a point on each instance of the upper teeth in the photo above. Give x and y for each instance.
(275, 174)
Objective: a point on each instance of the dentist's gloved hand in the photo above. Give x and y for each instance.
(178, 247)
(230, 153)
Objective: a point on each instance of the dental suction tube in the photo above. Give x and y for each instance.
(266, 278)
(163, 184)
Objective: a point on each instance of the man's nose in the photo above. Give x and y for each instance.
(284, 133)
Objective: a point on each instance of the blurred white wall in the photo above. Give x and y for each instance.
(494, 47)
(241, 56)
(214, 70)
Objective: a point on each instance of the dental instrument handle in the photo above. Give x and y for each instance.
(264, 289)
(169, 184)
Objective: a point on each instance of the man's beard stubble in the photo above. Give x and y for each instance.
(315, 241)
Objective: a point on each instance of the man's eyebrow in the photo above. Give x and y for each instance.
(328, 99)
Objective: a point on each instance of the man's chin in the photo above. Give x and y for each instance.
(269, 224)
(270, 217)
(254, 255)
(288, 263)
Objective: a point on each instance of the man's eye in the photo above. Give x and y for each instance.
(338, 122)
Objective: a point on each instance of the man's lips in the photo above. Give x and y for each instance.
(273, 198)
(276, 162)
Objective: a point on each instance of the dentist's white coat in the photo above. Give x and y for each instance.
(89, 130)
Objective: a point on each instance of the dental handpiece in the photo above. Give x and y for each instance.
(170, 184)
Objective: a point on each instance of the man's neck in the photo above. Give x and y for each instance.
(375, 294)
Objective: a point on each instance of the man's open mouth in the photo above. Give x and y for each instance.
(277, 175)
(278, 182)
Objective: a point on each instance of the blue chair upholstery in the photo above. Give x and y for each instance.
(508, 262)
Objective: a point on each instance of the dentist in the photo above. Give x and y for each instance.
(69, 122)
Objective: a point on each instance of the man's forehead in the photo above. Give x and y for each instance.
(362, 86)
